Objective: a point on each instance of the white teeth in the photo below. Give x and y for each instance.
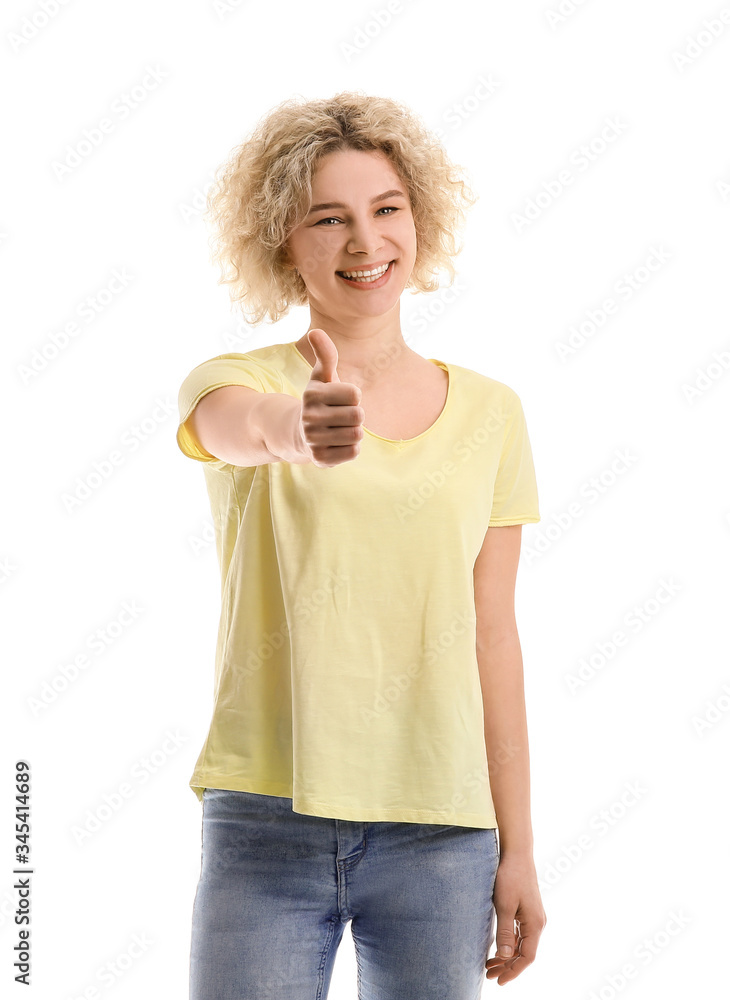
(366, 275)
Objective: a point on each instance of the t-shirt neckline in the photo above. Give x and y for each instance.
(401, 441)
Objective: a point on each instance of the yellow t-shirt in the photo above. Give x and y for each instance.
(346, 674)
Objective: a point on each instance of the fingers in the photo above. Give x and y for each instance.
(333, 394)
(336, 446)
(331, 411)
(332, 430)
(505, 969)
(520, 919)
(332, 437)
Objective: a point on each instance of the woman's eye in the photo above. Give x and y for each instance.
(333, 218)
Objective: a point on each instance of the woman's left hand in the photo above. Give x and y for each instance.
(516, 900)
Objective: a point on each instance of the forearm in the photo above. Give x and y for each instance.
(505, 732)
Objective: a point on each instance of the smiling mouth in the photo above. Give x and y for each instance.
(365, 278)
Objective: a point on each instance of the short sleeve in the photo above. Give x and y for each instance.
(515, 498)
(226, 369)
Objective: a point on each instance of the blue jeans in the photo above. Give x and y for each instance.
(277, 888)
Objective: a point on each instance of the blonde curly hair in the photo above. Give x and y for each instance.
(262, 192)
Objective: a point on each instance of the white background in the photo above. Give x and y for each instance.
(649, 382)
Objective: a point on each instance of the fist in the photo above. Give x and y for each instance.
(331, 420)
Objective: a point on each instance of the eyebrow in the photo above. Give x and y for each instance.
(338, 204)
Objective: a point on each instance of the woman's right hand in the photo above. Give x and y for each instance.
(331, 420)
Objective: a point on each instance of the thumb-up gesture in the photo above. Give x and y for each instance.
(331, 418)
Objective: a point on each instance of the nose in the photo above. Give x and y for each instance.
(365, 237)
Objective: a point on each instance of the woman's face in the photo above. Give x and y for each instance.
(370, 226)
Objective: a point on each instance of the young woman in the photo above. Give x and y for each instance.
(368, 736)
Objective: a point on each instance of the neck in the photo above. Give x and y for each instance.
(365, 357)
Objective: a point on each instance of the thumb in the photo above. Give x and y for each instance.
(325, 353)
(505, 937)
